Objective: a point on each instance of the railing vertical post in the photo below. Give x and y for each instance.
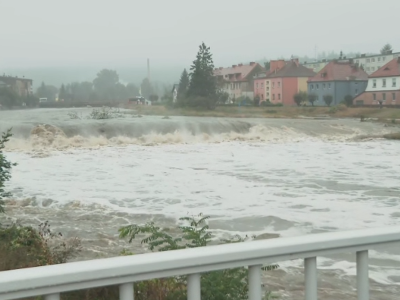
(194, 287)
(310, 273)
(52, 297)
(362, 275)
(126, 291)
(255, 282)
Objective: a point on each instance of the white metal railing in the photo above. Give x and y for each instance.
(124, 271)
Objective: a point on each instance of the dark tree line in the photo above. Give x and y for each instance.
(198, 89)
(106, 87)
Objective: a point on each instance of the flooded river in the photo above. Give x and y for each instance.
(252, 176)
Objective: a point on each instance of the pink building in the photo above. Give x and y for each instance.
(287, 81)
(262, 84)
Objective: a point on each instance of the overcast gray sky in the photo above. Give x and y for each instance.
(38, 33)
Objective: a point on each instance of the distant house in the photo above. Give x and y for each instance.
(22, 86)
(383, 86)
(338, 78)
(287, 81)
(374, 62)
(237, 80)
(262, 84)
(316, 66)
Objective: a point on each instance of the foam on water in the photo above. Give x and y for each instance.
(290, 177)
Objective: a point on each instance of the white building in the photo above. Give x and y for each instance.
(372, 63)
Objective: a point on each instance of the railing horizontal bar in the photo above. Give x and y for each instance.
(89, 274)
(72, 286)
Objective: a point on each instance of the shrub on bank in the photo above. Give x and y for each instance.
(23, 247)
(227, 284)
(5, 168)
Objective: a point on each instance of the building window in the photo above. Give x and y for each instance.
(383, 82)
(279, 96)
(329, 85)
(393, 96)
(273, 96)
(357, 61)
(368, 60)
(374, 83)
(356, 92)
(379, 59)
(384, 96)
(262, 96)
(273, 84)
(262, 84)
(257, 85)
(372, 59)
(312, 86)
(323, 85)
(384, 58)
(279, 84)
(393, 82)
(374, 95)
(317, 86)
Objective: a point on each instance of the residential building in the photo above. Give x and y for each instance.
(22, 86)
(372, 63)
(316, 66)
(287, 81)
(262, 84)
(338, 78)
(238, 80)
(383, 86)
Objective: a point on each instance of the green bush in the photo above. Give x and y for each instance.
(5, 168)
(333, 110)
(26, 247)
(348, 100)
(227, 284)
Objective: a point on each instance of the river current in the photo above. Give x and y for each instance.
(252, 176)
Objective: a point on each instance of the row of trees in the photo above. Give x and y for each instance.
(302, 97)
(106, 87)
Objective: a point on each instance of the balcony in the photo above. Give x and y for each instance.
(50, 281)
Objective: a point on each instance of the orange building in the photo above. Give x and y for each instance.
(287, 81)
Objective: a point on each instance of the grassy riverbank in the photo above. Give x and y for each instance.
(340, 111)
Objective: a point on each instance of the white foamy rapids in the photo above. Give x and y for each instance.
(50, 137)
(290, 188)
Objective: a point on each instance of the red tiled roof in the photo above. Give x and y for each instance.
(242, 70)
(392, 68)
(292, 69)
(340, 71)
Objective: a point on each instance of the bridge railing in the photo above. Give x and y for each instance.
(50, 281)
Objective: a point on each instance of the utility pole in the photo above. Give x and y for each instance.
(148, 69)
